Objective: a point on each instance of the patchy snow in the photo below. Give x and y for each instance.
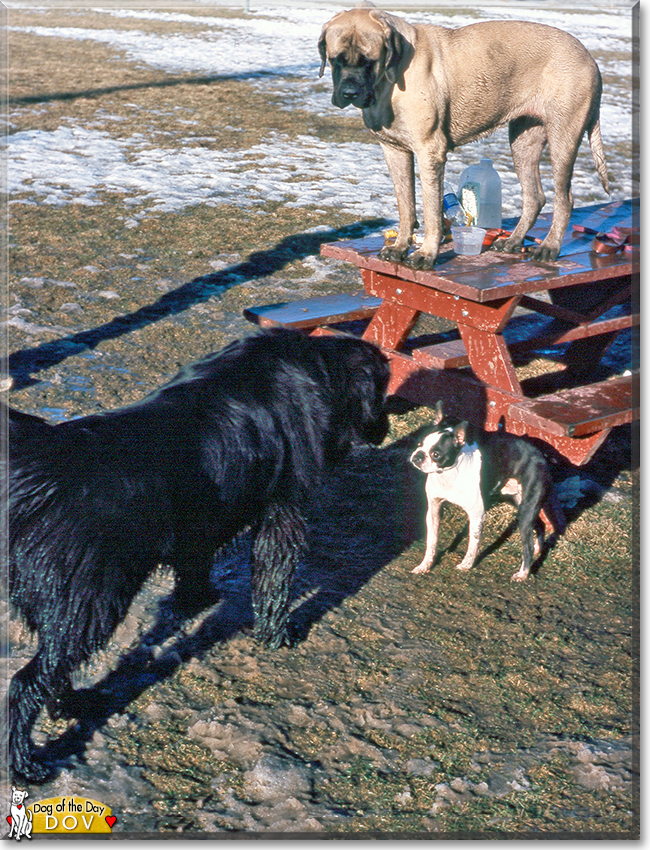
(225, 53)
(74, 164)
(226, 45)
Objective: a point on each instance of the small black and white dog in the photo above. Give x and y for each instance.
(238, 440)
(475, 475)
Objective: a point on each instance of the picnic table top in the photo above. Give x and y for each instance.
(494, 275)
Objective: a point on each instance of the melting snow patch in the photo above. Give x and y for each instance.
(75, 164)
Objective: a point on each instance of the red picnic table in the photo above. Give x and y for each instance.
(585, 296)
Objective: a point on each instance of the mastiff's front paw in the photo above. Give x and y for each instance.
(420, 260)
(545, 253)
(506, 244)
(393, 254)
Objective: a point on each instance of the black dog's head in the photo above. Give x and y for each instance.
(364, 50)
(368, 378)
(358, 375)
(328, 391)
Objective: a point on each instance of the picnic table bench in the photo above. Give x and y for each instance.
(584, 298)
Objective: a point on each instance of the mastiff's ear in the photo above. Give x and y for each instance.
(394, 52)
(394, 48)
(322, 49)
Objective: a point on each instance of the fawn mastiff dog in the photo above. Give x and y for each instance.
(425, 90)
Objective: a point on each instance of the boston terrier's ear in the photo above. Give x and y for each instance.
(460, 433)
(438, 413)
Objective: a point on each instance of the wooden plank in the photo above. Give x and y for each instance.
(323, 310)
(583, 410)
(491, 316)
(604, 217)
(598, 217)
(490, 276)
(489, 358)
(465, 397)
(444, 355)
(581, 332)
(519, 276)
(452, 353)
(593, 305)
(493, 275)
(558, 312)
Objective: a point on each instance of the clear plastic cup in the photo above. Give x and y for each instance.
(468, 240)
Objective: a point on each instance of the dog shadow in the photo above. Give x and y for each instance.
(23, 365)
(365, 515)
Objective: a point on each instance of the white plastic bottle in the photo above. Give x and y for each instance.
(479, 191)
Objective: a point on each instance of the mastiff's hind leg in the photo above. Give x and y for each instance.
(527, 140)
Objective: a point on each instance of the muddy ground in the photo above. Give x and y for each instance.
(459, 705)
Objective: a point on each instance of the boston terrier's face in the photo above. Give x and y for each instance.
(440, 449)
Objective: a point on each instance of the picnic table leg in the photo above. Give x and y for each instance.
(489, 358)
(391, 325)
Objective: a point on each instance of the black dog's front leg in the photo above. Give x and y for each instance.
(279, 543)
(30, 688)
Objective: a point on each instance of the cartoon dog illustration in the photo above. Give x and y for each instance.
(21, 819)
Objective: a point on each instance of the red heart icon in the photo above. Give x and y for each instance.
(20, 805)
(9, 819)
(110, 820)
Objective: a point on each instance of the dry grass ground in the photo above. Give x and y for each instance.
(417, 706)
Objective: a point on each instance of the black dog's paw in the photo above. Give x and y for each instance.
(278, 642)
(274, 639)
(32, 770)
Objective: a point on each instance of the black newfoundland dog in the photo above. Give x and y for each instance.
(236, 441)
